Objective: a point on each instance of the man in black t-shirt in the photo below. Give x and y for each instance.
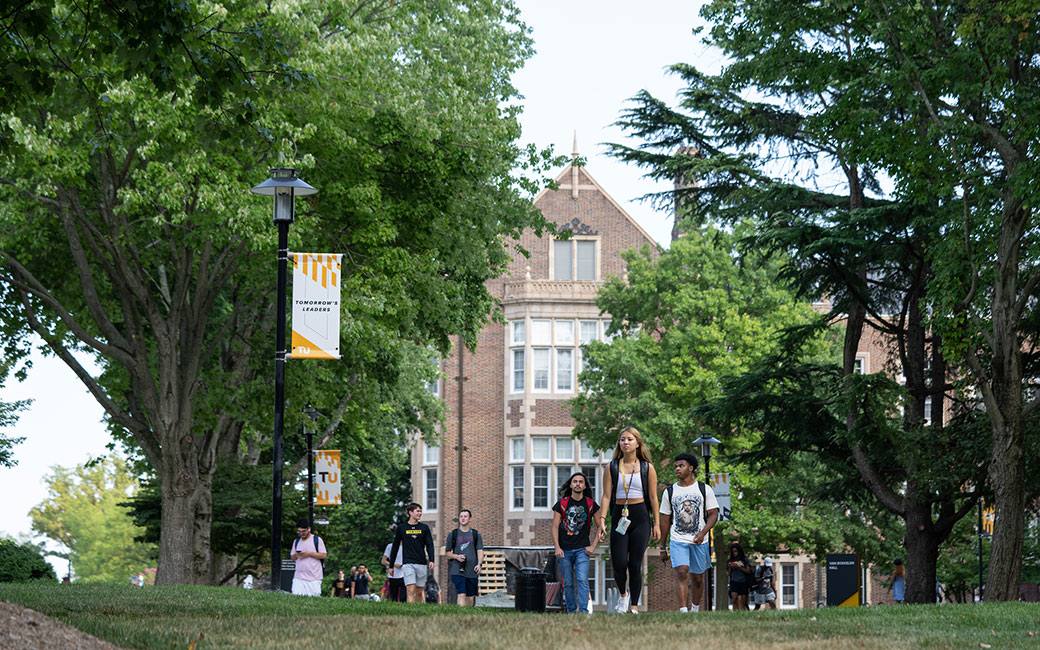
(340, 588)
(360, 582)
(417, 541)
(572, 519)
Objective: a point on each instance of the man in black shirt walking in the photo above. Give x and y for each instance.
(417, 541)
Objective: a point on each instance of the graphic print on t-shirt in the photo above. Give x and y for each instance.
(576, 518)
(686, 511)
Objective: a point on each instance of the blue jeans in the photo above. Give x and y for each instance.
(575, 567)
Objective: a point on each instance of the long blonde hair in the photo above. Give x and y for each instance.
(642, 453)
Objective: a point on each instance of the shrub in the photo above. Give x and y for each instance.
(22, 563)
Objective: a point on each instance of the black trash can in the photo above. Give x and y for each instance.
(530, 590)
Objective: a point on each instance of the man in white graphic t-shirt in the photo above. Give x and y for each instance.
(691, 509)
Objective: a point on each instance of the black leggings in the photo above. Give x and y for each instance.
(626, 551)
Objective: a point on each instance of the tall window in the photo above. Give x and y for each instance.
(518, 370)
(431, 460)
(563, 260)
(540, 361)
(789, 585)
(517, 472)
(540, 487)
(564, 370)
(586, 259)
(431, 489)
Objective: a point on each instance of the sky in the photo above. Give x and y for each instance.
(591, 57)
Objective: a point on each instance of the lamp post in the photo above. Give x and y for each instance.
(308, 433)
(284, 187)
(706, 442)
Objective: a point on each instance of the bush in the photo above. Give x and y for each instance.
(22, 563)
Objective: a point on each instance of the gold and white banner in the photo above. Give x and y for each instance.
(315, 310)
(326, 469)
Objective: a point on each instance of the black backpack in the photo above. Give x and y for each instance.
(704, 497)
(644, 476)
(296, 546)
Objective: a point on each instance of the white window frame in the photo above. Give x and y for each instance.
(516, 373)
(517, 332)
(567, 385)
(557, 245)
(431, 454)
(541, 332)
(515, 447)
(587, 454)
(429, 472)
(515, 472)
(562, 472)
(535, 487)
(859, 366)
(565, 444)
(592, 477)
(794, 586)
(547, 370)
(563, 332)
(547, 456)
(582, 338)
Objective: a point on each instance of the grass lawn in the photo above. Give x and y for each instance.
(173, 617)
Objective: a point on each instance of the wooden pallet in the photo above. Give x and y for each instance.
(492, 573)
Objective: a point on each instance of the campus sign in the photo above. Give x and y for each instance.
(315, 309)
(326, 469)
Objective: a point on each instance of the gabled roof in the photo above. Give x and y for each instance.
(586, 182)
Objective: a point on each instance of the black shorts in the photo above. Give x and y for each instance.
(739, 588)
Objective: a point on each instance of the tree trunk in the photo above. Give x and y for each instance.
(176, 536)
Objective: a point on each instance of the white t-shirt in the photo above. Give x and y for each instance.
(399, 560)
(690, 512)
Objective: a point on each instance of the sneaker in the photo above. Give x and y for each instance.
(683, 610)
(694, 608)
(634, 610)
(624, 603)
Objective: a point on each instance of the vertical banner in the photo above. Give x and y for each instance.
(315, 310)
(720, 486)
(326, 468)
(989, 516)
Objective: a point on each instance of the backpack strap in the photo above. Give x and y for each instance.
(644, 476)
(563, 504)
(588, 505)
(613, 484)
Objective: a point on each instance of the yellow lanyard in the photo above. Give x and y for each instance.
(624, 511)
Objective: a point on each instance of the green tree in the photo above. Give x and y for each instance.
(401, 113)
(22, 562)
(83, 511)
(8, 417)
(816, 70)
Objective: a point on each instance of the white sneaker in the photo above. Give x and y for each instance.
(694, 608)
(624, 603)
(683, 610)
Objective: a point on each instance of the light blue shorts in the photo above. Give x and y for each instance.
(695, 556)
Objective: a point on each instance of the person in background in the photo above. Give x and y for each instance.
(464, 548)
(630, 487)
(764, 576)
(572, 523)
(308, 551)
(396, 592)
(360, 582)
(340, 589)
(899, 582)
(739, 571)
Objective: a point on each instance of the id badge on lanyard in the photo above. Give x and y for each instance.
(624, 522)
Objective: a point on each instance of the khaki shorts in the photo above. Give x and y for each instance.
(414, 574)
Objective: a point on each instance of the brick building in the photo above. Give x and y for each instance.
(507, 443)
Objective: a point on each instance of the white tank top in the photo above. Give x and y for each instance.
(633, 481)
